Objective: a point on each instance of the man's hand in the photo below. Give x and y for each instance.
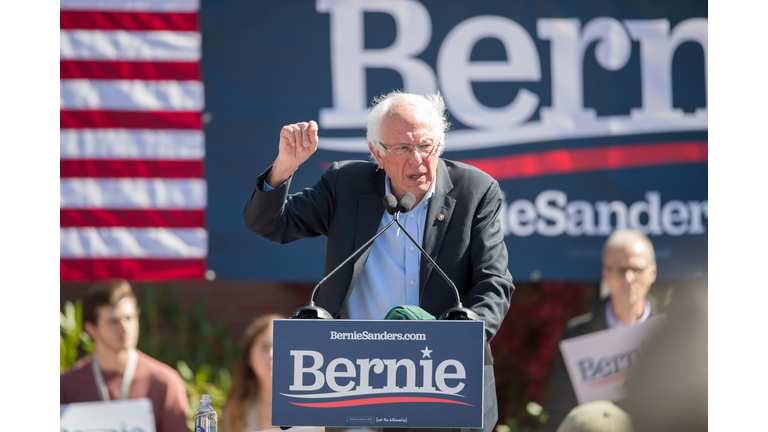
(297, 143)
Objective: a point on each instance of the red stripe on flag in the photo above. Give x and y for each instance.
(130, 120)
(127, 70)
(132, 218)
(131, 168)
(131, 269)
(139, 21)
(566, 161)
(377, 401)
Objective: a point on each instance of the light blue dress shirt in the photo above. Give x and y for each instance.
(390, 276)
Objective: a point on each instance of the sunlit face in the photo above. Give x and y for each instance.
(629, 272)
(117, 328)
(412, 126)
(260, 357)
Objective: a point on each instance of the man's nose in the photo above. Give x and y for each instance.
(629, 275)
(414, 156)
(125, 324)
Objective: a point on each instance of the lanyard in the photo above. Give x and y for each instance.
(130, 370)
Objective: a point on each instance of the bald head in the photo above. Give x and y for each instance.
(629, 238)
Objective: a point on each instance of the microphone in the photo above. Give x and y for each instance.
(390, 204)
(458, 311)
(406, 203)
(310, 311)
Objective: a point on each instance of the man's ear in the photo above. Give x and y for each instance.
(90, 328)
(374, 152)
(653, 270)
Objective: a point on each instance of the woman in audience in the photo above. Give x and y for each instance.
(249, 403)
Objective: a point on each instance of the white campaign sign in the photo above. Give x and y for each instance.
(599, 363)
(133, 415)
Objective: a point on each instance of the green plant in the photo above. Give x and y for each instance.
(170, 334)
(74, 342)
(202, 352)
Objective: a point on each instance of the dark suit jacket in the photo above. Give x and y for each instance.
(346, 206)
(562, 398)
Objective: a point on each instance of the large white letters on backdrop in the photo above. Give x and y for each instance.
(490, 127)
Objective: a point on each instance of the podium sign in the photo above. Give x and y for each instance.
(395, 373)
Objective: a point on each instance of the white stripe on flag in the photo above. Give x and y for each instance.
(131, 144)
(132, 193)
(132, 5)
(131, 95)
(129, 45)
(133, 242)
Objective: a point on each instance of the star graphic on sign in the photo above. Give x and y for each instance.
(426, 352)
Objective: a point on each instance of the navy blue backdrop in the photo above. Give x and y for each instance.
(592, 115)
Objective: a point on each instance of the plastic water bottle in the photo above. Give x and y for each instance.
(205, 416)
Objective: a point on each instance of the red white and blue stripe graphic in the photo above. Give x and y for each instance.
(377, 401)
(132, 190)
(574, 160)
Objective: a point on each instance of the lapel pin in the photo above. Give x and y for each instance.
(440, 217)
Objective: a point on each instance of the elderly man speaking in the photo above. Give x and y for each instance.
(455, 218)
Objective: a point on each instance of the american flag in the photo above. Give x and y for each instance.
(132, 188)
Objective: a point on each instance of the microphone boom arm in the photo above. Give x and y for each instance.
(310, 311)
(363, 247)
(458, 311)
(431, 261)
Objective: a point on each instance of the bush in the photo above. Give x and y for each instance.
(200, 351)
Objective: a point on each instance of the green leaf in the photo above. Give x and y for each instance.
(224, 379)
(184, 370)
(202, 373)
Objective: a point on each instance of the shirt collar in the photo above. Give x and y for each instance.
(615, 322)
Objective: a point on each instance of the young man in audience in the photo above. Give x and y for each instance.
(117, 370)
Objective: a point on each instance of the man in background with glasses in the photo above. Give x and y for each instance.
(629, 270)
(455, 218)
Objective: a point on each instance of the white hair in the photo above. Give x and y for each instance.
(627, 238)
(433, 104)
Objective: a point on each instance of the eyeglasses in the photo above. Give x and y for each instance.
(401, 152)
(622, 271)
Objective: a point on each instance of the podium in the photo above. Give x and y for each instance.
(394, 374)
